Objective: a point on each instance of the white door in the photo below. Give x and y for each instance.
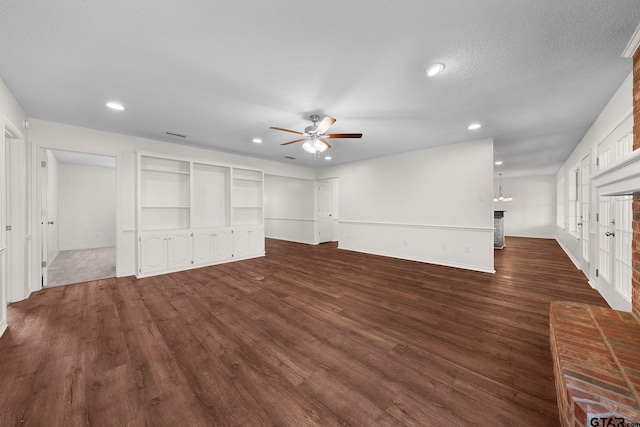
(622, 244)
(324, 212)
(605, 249)
(222, 245)
(153, 256)
(179, 250)
(584, 219)
(203, 248)
(241, 243)
(615, 225)
(3, 236)
(256, 241)
(44, 219)
(615, 243)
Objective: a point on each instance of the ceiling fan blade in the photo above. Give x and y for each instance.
(324, 125)
(325, 143)
(344, 135)
(286, 130)
(292, 142)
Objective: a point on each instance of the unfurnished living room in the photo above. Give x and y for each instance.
(339, 213)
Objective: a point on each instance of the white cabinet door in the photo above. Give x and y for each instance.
(203, 248)
(241, 242)
(256, 241)
(222, 245)
(153, 253)
(179, 250)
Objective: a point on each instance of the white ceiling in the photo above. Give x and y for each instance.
(535, 73)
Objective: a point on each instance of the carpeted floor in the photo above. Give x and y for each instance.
(82, 265)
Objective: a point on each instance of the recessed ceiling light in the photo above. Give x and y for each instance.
(115, 106)
(434, 69)
(327, 157)
(474, 126)
(498, 163)
(257, 140)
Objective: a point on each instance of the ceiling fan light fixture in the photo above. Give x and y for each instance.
(308, 147)
(498, 163)
(327, 157)
(474, 126)
(314, 145)
(257, 140)
(435, 69)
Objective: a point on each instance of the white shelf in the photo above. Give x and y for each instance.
(148, 169)
(240, 178)
(165, 207)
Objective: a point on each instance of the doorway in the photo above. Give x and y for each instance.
(79, 193)
(327, 210)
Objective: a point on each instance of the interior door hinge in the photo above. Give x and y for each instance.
(8, 228)
(43, 164)
(597, 217)
(596, 272)
(43, 264)
(597, 161)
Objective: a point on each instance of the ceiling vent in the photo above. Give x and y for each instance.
(178, 134)
(289, 157)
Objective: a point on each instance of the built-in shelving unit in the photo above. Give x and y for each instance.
(247, 197)
(193, 213)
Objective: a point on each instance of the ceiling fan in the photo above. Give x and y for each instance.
(314, 136)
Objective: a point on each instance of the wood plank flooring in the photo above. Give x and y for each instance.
(308, 335)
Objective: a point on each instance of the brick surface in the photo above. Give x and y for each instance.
(597, 371)
(635, 293)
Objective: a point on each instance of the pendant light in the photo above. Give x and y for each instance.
(501, 197)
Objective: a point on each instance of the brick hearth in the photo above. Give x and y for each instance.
(596, 354)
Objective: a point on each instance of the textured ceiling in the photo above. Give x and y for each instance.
(535, 73)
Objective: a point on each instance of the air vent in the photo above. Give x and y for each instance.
(289, 157)
(178, 134)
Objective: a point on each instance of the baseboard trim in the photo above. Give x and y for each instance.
(571, 257)
(3, 327)
(291, 240)
(426, 261)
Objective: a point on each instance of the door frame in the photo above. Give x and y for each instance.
(319, 238)
(16, 186)
(37, 217)
(584, 197)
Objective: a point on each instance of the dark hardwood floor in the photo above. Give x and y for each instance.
(308, 335)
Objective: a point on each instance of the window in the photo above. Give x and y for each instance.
(574, 201)
(560, 201)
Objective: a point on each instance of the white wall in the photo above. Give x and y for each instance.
(14, 247)
(86, 206)
(532, 213)
(289, 208)
(59, 136)
(618, 109)
(433, 205)
(53, 243)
